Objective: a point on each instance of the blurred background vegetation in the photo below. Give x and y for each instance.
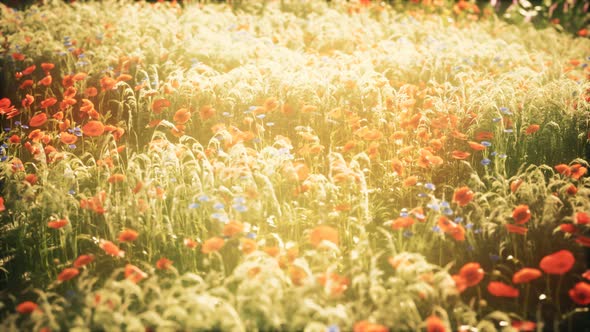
(564, 15)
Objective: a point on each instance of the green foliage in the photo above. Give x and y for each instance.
(268, 150)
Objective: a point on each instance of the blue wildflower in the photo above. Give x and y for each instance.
(240, 207)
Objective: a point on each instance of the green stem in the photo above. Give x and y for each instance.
(557, 293)
(525, 308)
(513, 245)
(479, 300)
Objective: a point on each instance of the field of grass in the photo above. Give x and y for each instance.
(291, 165)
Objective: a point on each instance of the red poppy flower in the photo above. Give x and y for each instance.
(463, 196)
(91, 92)
(206, 112)
(14, 139)
(514, 185)
(516, 229)
(134, 274)
(28, 100)
(402, 222)
(397, 167)
(301, 170)
(476, 146)
(445, 224)
(48, 102)
(525, 275)
(460, 283)
(333, 283)
(29, 70)
(93, 128)
(583, 241)
(26, 307)
(158, 105)
(435, 324)
(128, 235)
(116, 178)
(410, 181)
(248, 246)
(57, 224)
(232, 228)
(582, 218)
(87, 106)
(272, 251)
(521, 214)
(532, 129)
(67, 274)
(111, 249)
(559, 262)
(18, 56)
(323, 233)
(578, 171)
(213, 244)
(47, 66)
(580, 293)
(46, 81)
(107, 83)
(38, 120)
(563, 169)
(484, 135)
(2, 207)
(372, 135)
(31, 179)
(571, 189)
(24, 85)
(35, 136)
(190, 243)
(586, 275)
(501, 289)
(366, 326)
(568, 228)
(457, 233)
(308, 109)
(83, 260)
(124, 78)
(163, 264)
(68, 138)
(79, 77)
(182, 116)
(177, 130)
(524, 326)
(472, 273)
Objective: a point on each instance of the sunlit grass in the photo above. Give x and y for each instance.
(272, 153)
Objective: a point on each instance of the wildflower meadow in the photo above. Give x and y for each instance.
(294, 165)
